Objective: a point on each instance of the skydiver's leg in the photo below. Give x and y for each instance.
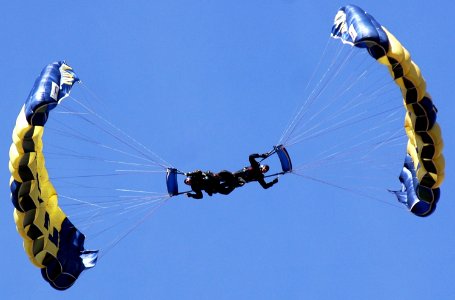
(195, 195)
(225, 189)
(228, 182)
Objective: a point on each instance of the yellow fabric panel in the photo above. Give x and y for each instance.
(31, 190)
(410, 70)
(417, 79)
(42, 246)
(15, 161)
(47, 188)
(29, 244)
(412, 73)
(413, 115)
(409, 129)
(24, 133)
(31, 223)
(383, 60)
(49, 195)
(435, 135)
(19, 220)
(415, 145)
(27, 160)
(411, 149)
(46, 246)
(437, 159)
(36, 251)
(396, 50)
(12, 170)
(421, 172)
(26, 151)
(28, 248)
(56, 214)
(40, 223)
(440, 166)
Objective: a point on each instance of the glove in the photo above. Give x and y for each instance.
(275, 180)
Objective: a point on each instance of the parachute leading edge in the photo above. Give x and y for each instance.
(423, 169)
(51, 241)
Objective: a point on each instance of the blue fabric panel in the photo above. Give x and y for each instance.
(362, 30)
(171, 182)
(15, 186)
(46, 93)
(64, 271)
(420, 200)
(407, 195)
(424, 208)
(285, 159)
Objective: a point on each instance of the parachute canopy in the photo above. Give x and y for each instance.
(423, 170)
(51, 241)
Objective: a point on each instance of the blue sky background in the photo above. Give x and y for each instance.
(192, 80)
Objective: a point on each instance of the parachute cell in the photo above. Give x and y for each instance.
(51, 241)
(423, 170)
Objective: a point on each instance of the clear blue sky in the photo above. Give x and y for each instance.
(189, 79)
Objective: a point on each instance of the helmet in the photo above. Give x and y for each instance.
(187, 181)
(264, 168)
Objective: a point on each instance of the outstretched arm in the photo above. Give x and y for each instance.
(266, 185)
(252, 158)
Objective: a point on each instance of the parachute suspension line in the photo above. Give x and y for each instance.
(299, 137)
(364, 146)
(160, 202)
(355, 154)
(107, 202)
(351, 190)
(356, 148)
(139, 147)
(362, 98)
(299, 111)
(97, 214)
(117, 201)
(76, 134)
(99, 217)
(109, 210)
(326, 79)
(349, 121)
(389, 138)
(92, 94)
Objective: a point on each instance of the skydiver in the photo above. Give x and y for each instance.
(254, 172)
(225, 182)
(201, 181)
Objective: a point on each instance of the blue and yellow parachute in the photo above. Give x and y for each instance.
(423, 170)
(55, 245)
(51, 241)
